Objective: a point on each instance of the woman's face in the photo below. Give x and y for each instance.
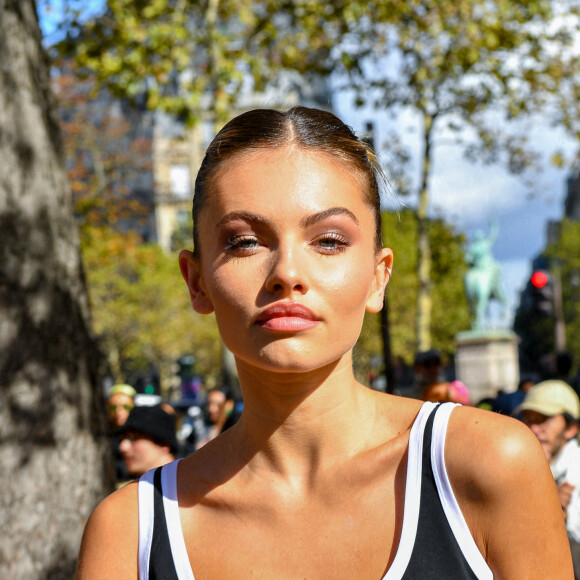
(287, 259)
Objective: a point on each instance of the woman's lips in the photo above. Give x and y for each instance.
(286, 317)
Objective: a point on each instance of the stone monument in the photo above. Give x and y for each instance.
(486, 359)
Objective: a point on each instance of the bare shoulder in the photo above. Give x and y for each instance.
(498, 448)
(110, 541)
(506, 492)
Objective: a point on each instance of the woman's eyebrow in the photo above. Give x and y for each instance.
(320, 216)
(305, 222)
(244, 216)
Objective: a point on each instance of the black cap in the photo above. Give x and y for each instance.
(154, 422)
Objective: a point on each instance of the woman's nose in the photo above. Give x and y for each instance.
(288, 271)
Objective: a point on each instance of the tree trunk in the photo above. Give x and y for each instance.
(424, 300)
(53, 445)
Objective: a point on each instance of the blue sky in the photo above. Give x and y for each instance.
(51, 12)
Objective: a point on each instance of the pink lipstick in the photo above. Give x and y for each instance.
(287, 317)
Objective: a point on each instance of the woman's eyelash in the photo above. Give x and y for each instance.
(339, 242)
(240, 242)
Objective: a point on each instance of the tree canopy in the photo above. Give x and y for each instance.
(188, 57)
(109, 154)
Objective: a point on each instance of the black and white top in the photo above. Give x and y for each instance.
(435, 540)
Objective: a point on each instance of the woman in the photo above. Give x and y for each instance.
(321, 477)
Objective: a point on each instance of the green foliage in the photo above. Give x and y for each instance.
(186, 57)
(450, 304)
(141, 308)
(181, 237)
(564, 254)
(450, 310)
(139, 302)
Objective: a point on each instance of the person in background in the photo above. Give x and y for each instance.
(221, 413)
(506, 403)
(234, 407)
(437, 392)
(147, 439)
(217, 411)
(459, 393)
(551, 409)
(120, 403)
(443, 391)
(428, 368)
(434, 387)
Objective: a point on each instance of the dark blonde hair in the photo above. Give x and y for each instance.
(303, 127)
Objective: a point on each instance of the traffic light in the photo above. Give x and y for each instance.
(147, 382)
(542, 287)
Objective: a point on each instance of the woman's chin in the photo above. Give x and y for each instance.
(285, 360)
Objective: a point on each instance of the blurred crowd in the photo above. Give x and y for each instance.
(147, 433)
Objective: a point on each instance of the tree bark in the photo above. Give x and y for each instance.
(53, 445)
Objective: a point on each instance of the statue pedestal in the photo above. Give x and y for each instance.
(487, 361)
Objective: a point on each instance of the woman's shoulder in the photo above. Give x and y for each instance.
(478, 438)
(111, 537)
(120, 505)
(491, 452)
(497, 469)
(505, 489)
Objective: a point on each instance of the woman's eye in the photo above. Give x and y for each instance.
(242, 244)
(331, 243)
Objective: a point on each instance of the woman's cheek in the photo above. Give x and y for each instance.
(352, 284)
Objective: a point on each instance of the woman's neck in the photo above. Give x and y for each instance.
(298, 423)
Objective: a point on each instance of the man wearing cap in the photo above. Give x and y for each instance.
(121, 401)
(551, 409)
(119, 404)
(148, 439)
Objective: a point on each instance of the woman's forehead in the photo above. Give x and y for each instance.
(287, 175)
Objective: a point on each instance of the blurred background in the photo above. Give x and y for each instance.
(472, 107)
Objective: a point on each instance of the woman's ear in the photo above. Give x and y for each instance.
(383, 270)
(191, 272)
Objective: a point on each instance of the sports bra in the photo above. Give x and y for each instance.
(435, 539)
